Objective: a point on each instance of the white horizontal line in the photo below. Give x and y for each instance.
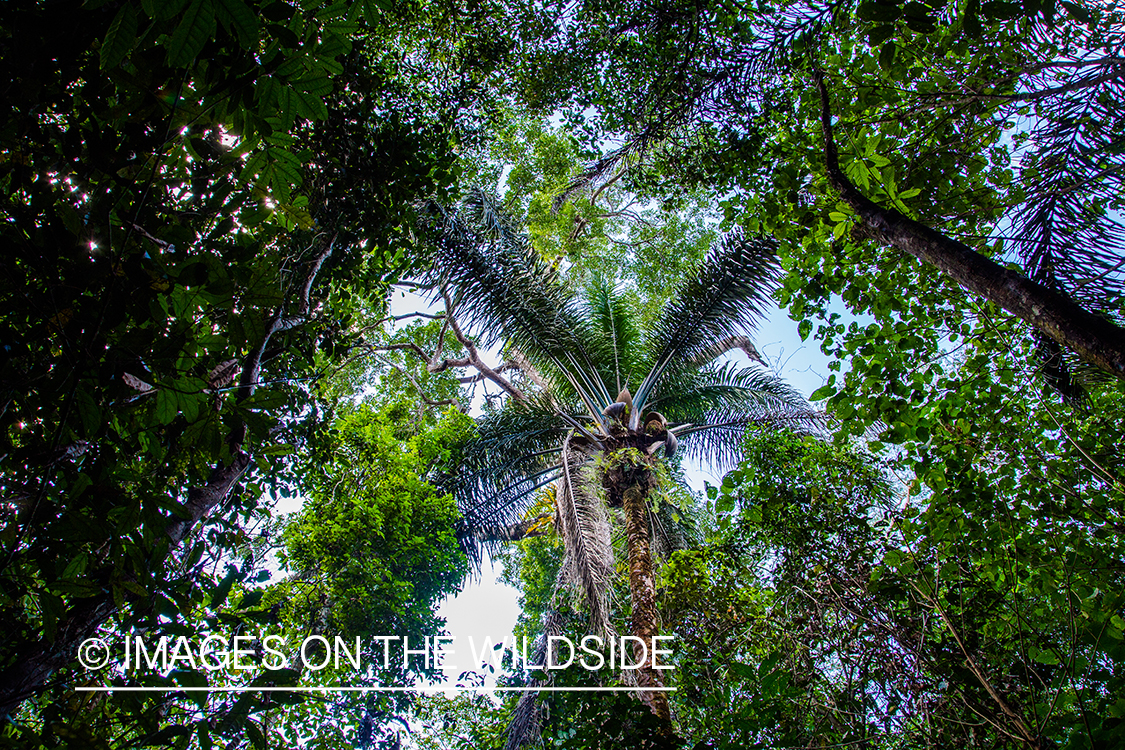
(357, 689)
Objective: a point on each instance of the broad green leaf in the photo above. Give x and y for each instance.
(1076, 11)
(372, 13)
(89, 412)
(314, 86)
(997, 9)
(162, 9)
(119, 40)
(166, 406)
(193, 31)
(825, 391)
(887, 55)
(235, 14)
(873, 11)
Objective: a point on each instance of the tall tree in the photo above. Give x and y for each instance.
(602, 450)
(968, 138)
(196, 198)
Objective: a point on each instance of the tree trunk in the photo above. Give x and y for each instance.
(642, 588)
(39, 660)
(1093, 338)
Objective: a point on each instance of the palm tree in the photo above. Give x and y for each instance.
(613, 398)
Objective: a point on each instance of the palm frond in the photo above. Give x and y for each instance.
(610, 334)
(489, 502)
(720, 394)
(584, 524)
(524, 726)
(514, 452)
(505, 288)
(1074, 169)
(521, 427)
(726, 298)
(722, 403)
(483, 212)
(719, 444)
(506, 291)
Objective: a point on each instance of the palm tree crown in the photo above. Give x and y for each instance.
(606, 387)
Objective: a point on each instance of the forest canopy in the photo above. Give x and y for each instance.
(310, 310)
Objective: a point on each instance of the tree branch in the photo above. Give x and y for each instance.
(509, 365)
(474, 355)
(1092, 337)
(418, 387)
(528, 369)
(1029, 96)
(252, 366)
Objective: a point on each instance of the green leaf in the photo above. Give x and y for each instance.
(251, 599)
(1076, 11)
(921, 25)
(237, 16)
(53, 608)
(195, 28)
(296, 216)
(166, 406)
(871, 11)
(372, 13)
(75, 567)
(120, 38)
(309, 106)
(887, 56)
(823, 392)
(880, 34)
(1001, 11)
(203, 729)
(287, 167)
(257, 739)
(80, 484)
(219, 595)
(135, 587)
(191, 404)
(162, 10)
(89, 412)
(724, 504)
(804, 328)
(165, 736)
(314, 85)
(971, 24)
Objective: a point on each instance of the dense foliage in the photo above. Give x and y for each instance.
(199, 201)
(208, 208)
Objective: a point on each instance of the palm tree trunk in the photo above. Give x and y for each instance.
(642, 587)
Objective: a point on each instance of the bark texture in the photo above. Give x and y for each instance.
(642, 588)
